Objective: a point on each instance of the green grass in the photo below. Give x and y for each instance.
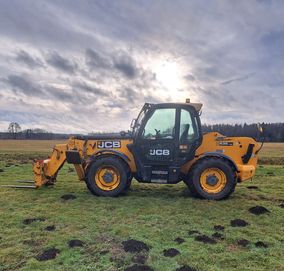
(154, 214)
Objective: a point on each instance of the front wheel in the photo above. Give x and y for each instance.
(212, 178)
(107, 176)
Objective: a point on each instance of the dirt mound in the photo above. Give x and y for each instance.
(134, 246)
(28, 221)
(76, 243)
(270, 173)
(205, 239)
(261, 244)
(243, 242)
(138, 267)
(217, 235)
(68, 197)
(104, 252)
(281, 205)
(179, 240)
(239, 223)
(258, 210)
(50, 228)
(48, 254)
(186, 268)
(219, 228)
(191, 232)
(139, 258)
(252, 187)
(171, 252)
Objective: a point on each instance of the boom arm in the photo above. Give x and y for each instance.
(45, 171)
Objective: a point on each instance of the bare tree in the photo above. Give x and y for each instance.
(14, 128)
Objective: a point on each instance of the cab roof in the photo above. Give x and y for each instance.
(197, 106)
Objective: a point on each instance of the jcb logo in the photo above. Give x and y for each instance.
(160, 152)
(108, 144)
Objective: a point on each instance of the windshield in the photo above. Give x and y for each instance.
(138, 121)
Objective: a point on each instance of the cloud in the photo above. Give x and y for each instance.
(20, 84)
(241, 78)
(91, 89)
(61, 63)
(25, 58)
(95, 61)
(98, 62)
(126, 65)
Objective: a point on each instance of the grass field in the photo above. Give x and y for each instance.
(165, 218)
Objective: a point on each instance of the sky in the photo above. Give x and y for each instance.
(89, 66)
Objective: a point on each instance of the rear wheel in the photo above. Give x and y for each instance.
(129, 181)
(212, 178)
(107, 176)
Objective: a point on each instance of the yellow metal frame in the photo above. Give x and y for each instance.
(231, 147)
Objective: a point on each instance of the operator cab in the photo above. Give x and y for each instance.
(165, 137)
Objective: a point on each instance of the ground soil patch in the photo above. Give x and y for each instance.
(261, 244)
(75, 243)
(171, 252)
(258, 210)
(205, 239)
(28, 221)
(243, 242)
(252, 187)
(139, 258)
(218, 235)
(179, 240)
(138, 267)
(48, 254)
(239, 223)
(104, 252)
(134, 246)
(50, 228)
(270, 173)
(219, 228)
(191, 232)
(186, 268)
(68, 197)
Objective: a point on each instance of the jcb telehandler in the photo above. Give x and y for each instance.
(165, 146)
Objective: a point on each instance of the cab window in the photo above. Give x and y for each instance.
(186, 132)
(161, 124)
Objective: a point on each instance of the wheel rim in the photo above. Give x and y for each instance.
(213, 180)
(107, 178)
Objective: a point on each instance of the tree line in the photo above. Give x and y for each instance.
(273, 132)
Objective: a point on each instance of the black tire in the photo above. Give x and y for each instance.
(194, 182)
(128, 184)
(114, 162)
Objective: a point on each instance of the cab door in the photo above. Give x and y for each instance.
(157, 145)
(189, 137)
(158, 138)
(167, 138)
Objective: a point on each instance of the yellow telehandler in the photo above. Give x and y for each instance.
(165, 146)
